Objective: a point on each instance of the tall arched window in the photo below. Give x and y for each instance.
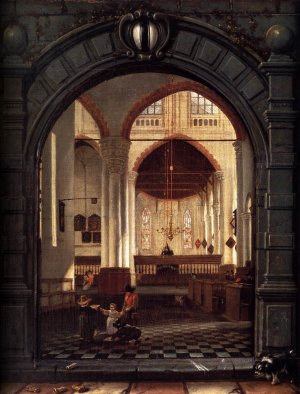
(187, 229)
(146, 229)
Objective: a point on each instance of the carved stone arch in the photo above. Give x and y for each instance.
(195, 144)
(94, 53)
(91, 54)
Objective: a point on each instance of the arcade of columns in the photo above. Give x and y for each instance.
(118, 206)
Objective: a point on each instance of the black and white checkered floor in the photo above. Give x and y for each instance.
(178, 340)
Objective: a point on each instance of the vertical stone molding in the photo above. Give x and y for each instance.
(124, 218)
(219, 176)
(277, 294)
(246, 220)
(208, 230)
(239, 208)
(218, 212)
(104, 216)
(132, 177)
(114, 151)
(17, 213)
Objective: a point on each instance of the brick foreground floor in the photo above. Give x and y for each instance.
(226, 387)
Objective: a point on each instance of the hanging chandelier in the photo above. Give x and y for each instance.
(169, 231)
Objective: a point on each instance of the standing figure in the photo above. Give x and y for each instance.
(129, 306)
(85, 319)
(112, 316)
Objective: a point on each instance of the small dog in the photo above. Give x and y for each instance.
(272, 365)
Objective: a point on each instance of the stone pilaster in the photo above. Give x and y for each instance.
(125, 218)
(239, 208)
(18, 218)
(104, 216)
(208, 229)
(277, 293)
(132, 177)
(218, 211)
(246, 220)
(220, 180)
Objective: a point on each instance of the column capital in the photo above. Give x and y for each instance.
(238, 149)
(132, 177)
(114, 151)
(219, 176)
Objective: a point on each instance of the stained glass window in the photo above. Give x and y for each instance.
(187, 229)
(146, 229)
(201, 105)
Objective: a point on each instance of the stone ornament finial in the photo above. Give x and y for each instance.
(15, 42)
(279, 39)
(144, 34)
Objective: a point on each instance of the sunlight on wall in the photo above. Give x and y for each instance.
(53, 190)
(70, 273)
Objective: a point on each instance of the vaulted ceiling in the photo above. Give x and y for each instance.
(191, 171)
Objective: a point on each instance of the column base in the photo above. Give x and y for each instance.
(113, 280)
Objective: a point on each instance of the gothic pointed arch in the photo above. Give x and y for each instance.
(175, 87)
(196, 144)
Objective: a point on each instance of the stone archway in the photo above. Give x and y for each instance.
(91, 54)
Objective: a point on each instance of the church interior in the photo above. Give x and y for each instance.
(150, 200)
(185, 182)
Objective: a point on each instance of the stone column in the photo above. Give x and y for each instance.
(124, 219)
(246, 219)
(114, 151)
(239, 208)
(216, 218)
(219, 176)
(208, 229)
(104, 216)
(202, 228)
(132, 177)
(277, 293)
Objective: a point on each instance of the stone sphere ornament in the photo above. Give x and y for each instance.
(144, 34)
(14, 39)
(279, 39)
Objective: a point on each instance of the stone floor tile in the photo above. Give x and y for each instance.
(11, 388)
(157, 388)
(107, 387)
(266, 388)
(211, 387)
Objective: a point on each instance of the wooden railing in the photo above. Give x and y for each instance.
(155, 267)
